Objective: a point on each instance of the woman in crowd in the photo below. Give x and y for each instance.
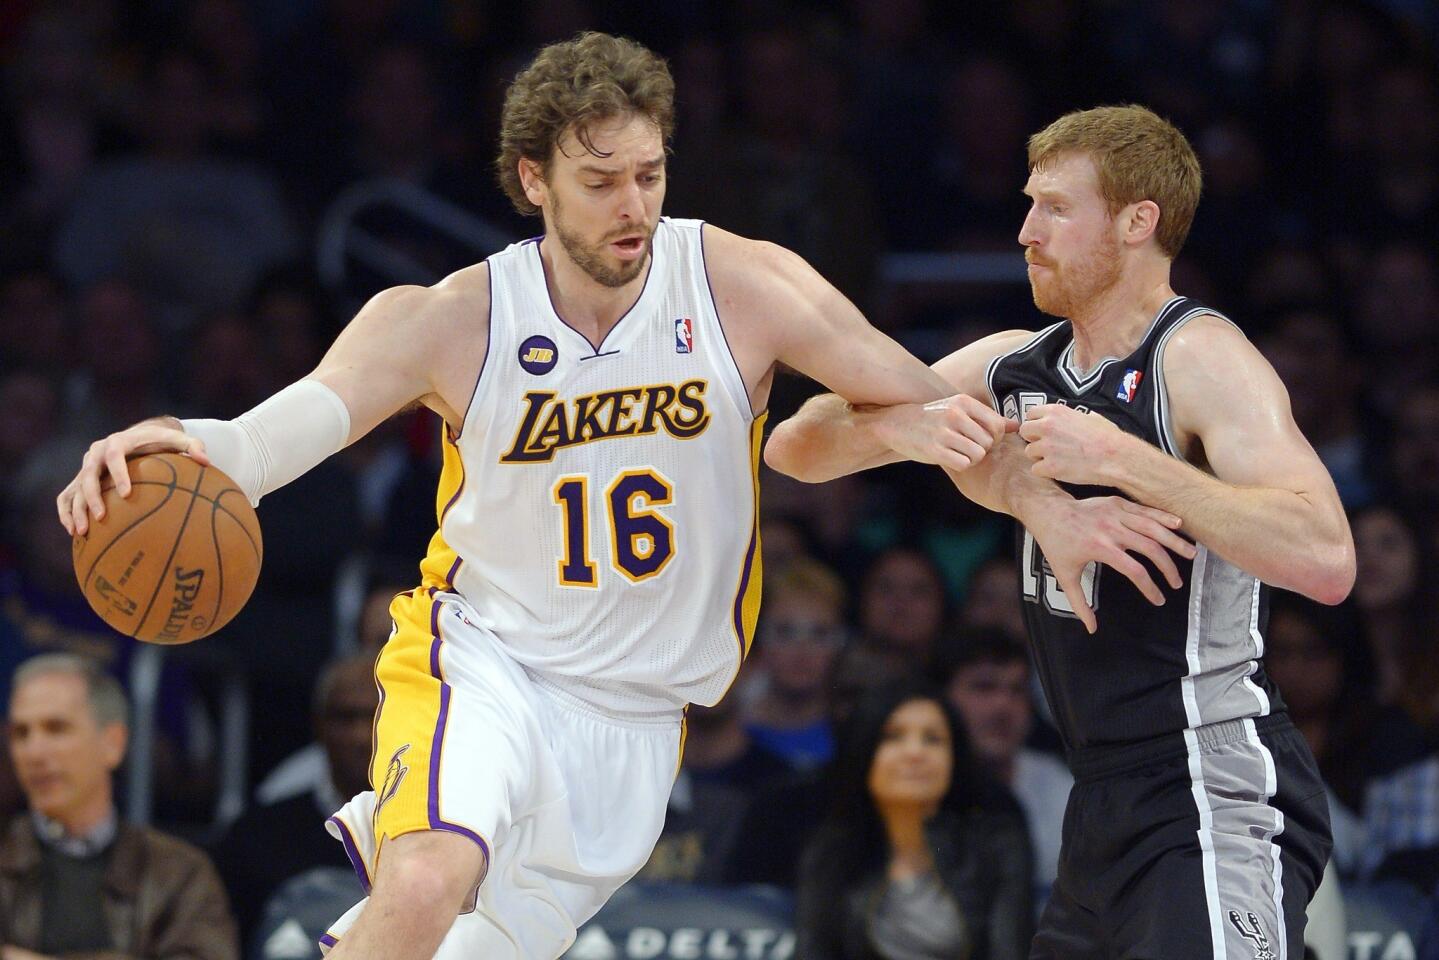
(1386, 594)
(902, 609)
(921, 856)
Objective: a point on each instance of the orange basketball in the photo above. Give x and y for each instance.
(175, 560)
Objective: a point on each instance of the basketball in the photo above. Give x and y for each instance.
(177, 559)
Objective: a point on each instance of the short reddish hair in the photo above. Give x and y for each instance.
(1139, 156)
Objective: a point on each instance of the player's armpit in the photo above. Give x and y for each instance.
(1270, 505)
(399, 348)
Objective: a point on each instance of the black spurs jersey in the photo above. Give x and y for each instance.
(1147, 671)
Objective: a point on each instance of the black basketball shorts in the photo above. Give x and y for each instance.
(1207, 846)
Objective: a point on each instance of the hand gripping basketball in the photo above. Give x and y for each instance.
(172, 550)
(81, 496)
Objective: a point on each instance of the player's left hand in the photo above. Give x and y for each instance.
(1070, 446)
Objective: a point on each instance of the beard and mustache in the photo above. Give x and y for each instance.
(591, 257)
(1068, 290)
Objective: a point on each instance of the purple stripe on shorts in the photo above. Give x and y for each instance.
(435, 642)
(352, 851)
(437, 745)
(454, 569)
(328, 941)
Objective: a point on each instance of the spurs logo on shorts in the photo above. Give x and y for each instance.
(1254, 932)
(394, 776)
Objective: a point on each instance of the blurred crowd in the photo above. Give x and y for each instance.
(173, 173)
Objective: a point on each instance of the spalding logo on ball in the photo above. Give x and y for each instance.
(175, 560)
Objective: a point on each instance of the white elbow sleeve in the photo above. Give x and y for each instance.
(265, 448)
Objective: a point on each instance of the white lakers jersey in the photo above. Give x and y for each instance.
(599, 508)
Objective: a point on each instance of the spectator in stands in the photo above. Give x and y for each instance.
(1397, 192)
(41, 611)
(902, 607)
(719, 750)
(1396, 310)
(288, 310)
(35, 334)
(373, 625)
(52, 124)
(985, 116)
(701, 832)
(1401, 801)
(74, 879)
(226, 35)
(991, 602)
(121, 358)
(785, 172)
(235, 384)
(12, 798)
(1325, 692)
(786, 538)
(276, 841)
(986, 680)
(780, 819)
(301, 912)
(1313, 355)
(1401, 825)
(32, 407)
(193, 230)
(1386, 592)
(922, 856)
(801, 629)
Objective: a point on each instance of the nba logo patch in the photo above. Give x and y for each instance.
(1129, 385)
(538, 355)
(684, 335)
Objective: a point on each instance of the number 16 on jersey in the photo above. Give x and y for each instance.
(642, 541)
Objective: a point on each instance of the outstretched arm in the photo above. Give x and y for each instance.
(780, 310)
(382, 362)
(1269, 505)
(829, 438)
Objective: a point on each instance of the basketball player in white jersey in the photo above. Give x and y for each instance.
(597, 562)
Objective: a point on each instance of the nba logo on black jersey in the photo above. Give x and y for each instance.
(1129, 385)
(684, 335)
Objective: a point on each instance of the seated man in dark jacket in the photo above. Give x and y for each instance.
(75, 882)
(275, 842)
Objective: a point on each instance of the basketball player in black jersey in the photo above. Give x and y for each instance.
(1197, 827)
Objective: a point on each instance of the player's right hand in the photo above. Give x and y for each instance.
(955, 432)
(1108, 530)
(81, 497)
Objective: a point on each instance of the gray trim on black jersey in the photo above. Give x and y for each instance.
(1161, 392)
(1227, 759)
(1223, 599)
(1086, 383)
(1029, 344)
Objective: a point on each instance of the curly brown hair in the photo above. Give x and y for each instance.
(569, 86)
(1139, 156)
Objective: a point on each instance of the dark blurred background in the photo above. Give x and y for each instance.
(195, 196)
